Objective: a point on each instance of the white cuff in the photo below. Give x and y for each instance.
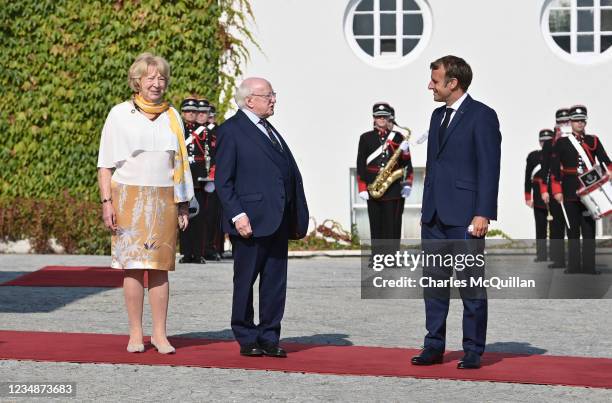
(209, 187)
(239, 216)
(404, 145)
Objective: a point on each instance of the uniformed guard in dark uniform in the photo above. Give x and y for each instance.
(566, 167)
(533, 198)
(188, 112)
(558, 225)
(192, 239)
(213, 235)
(212, 115)
(375, 149)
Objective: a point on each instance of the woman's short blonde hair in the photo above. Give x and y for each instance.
(140, 66)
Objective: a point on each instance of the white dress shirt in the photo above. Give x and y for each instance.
(256, 121)
(456, 105)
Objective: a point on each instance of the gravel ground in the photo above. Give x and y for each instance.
(323, 306)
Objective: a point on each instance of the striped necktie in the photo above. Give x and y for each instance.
(271, 135)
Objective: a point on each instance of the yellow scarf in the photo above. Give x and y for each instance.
(183, 183)
(150, 107)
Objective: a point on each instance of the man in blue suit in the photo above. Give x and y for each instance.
(459, 199)
(261, 191)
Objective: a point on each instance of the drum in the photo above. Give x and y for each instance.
(597, 197)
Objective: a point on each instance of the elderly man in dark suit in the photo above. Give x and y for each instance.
(261, 191)
(459, 199)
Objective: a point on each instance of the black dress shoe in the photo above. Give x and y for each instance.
(251, 350)
(273, 351)
(186, 259)
(428, 356)
(213, 257)
(470, 360)
(199, 260)
(539, 259)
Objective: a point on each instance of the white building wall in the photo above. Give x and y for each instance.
(326, 92)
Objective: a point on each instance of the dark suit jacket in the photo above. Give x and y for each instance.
(248, 179)
(462, 174)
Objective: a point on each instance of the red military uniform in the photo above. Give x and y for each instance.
(566, 165)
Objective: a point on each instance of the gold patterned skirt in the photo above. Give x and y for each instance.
(147, 225)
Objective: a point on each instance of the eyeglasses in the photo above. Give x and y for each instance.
(266, 96)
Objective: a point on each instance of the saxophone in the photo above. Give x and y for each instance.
(389, 173)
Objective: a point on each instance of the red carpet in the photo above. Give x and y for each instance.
(71, 276)
(321, 359)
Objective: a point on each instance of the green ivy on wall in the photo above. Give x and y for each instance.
(63, 65)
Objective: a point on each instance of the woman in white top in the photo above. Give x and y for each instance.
(145, 185)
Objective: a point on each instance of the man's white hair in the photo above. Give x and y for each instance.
(242, 92)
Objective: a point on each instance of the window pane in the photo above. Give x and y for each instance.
(585, 3)
(606, 20)
(366, 5)
(409, 45)
(363, 24)
(559, 21)
(586, 43)
(387, 46)
(585, 21)
(388, 24)
(564, 42)
(367, 45)
(606, 41)
(388, 5)
(412, 5)
(413, 24)
(605, 3)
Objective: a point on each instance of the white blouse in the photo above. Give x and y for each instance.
(140, 150)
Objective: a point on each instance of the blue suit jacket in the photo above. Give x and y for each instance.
(248, 179)
(462, 173)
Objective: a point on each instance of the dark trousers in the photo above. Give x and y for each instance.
(542, 227)
(192, 239)
(581, 252)
(385, 218)
(557, 233)
(436, 307)
(265, 257)
(212, 224)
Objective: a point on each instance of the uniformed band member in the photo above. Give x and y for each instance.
(212, 115)
(558, 225)
(188, 112)
(375, 149)
(533, 198)
(575, 154)
(213, 235)
(192, 240)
